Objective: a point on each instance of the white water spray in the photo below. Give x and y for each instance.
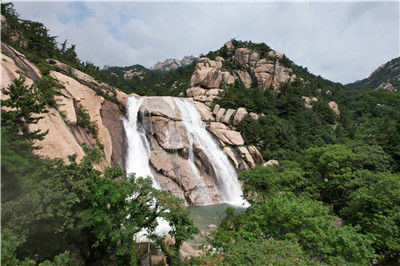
(138, 154)
(228, 184)
(139, 151)
(137, 161)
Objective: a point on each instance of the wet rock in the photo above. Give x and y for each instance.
(161, 106)
(170, 134)
(112, 119)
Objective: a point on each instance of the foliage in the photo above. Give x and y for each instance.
(291, 218)
(263, 182)
(376, 208)
(182, 227)
(258, 252)
(83, 120)
(24, 103)
(388, 73)
(115, 212)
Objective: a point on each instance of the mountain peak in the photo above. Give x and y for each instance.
(171, 64)
(386, 76)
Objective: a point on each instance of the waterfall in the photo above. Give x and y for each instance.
(139, 151)
(228, 184)
(138, 154)
(137, 161)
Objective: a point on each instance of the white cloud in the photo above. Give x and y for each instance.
(340, 41)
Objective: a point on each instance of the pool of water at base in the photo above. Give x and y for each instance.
(204, 216)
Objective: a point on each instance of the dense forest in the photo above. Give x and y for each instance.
(334, 198)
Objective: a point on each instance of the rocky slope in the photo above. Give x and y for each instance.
(386, 77)
(129, 72)
(79, 91)
(171, 64)
(249, 67)
(106, 106)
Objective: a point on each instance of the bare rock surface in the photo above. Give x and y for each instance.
(308, 101)
(239, 115)
(161, 106)
(181, 171)
(228, 116)
(92, 103)
(226, 135)
(112, 116)
(170, 134)
(335, 108)
(52, 146)
(204, 110)
(66, 107)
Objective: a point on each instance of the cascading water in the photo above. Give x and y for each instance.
(139, 151)
(137, 161)
(228, 184)
(138, 154)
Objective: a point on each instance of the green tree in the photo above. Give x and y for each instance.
(182, 227)
(23, 105)
(376, 208)
(308, 222)
(266, 181)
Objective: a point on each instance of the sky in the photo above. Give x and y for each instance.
(341, 41)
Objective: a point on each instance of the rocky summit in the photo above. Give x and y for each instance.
(171, 64)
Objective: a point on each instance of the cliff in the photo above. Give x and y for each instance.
(106, 106)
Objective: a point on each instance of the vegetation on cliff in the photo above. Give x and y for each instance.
(73, 214)
(334, 198)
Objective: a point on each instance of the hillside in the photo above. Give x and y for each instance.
(129, 72)
(386, 77)
(91, 170)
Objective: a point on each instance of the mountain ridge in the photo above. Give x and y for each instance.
(386, 76)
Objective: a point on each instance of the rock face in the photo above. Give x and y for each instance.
(52, 146)
(308, 101)
(266, 71)
(211, 77)
(111, 116)
(226, 135)
(179, 164)
(171, 64)
(64, 135)
(335, 108)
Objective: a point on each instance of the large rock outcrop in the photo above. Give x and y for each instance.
(171, 64)
(78, 90)
(179, 164)
(189, 176)
(267, 71)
